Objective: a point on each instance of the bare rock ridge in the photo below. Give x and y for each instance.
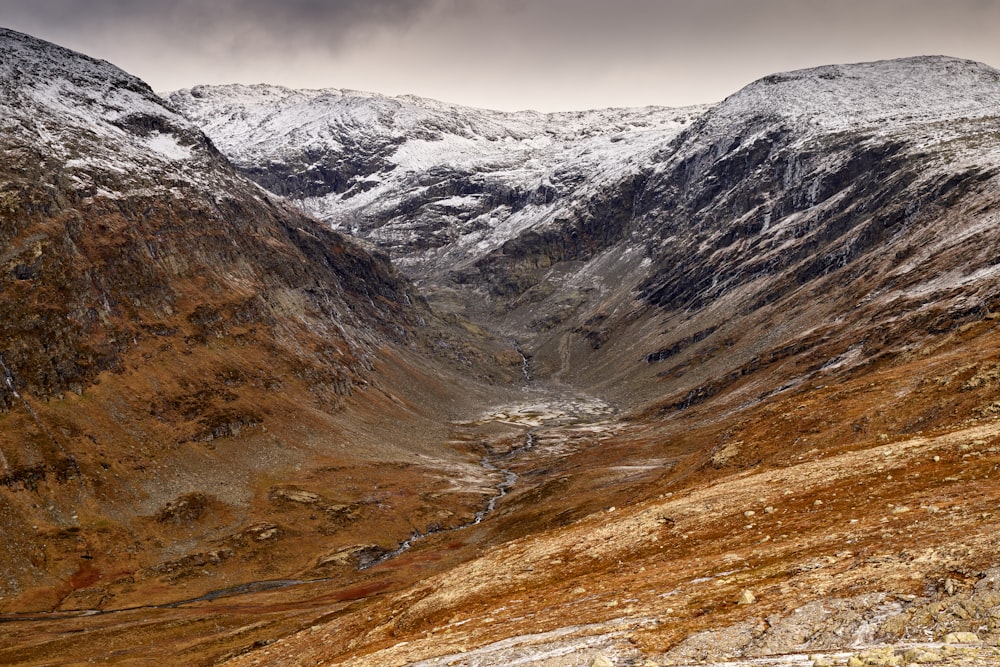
(740, 406)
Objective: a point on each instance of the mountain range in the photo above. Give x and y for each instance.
(331, 377)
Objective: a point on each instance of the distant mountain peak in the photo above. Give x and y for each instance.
(894, 91)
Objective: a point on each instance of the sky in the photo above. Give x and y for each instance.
(547, 55)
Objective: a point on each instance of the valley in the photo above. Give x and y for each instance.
(337, 378)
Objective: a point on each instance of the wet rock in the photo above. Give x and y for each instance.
(353, 556)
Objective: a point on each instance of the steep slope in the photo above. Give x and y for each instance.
(437, 186)
(188, 364)
(795, 294)
(848, 205)
(550, 227)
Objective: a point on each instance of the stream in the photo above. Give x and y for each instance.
(525, 362)
(560, 412)
(508, 482)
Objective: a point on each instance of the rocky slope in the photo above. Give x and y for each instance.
(437, 186)
(181, 350)
(757, 420)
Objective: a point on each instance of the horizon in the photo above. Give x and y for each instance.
(506, 55)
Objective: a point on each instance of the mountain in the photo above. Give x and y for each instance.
(790, 296)
(182, 352)
(741, 405)
(564, 229)
(437, 186)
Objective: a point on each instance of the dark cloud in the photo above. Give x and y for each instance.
(239, 24)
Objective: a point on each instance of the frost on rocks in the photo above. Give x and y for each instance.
(114, 135)
(431, 182)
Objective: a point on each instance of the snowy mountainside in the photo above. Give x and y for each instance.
(468, 193)
(436, 185)
(886, 95)
(98, 123)
(809, 170)
(846, 181)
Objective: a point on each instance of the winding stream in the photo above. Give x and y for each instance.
(534, 416)
(508, 482)
(525, 362)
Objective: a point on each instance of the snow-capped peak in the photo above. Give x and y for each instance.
(367, 162)
(883, 93)
(92, 117)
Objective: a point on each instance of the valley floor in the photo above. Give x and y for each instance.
(611, 549)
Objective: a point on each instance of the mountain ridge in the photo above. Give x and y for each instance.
(740, 401)
(178, 343)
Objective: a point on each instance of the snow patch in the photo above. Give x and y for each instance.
(168, 146)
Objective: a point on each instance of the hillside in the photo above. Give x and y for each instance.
(183, 352)
(739, 405)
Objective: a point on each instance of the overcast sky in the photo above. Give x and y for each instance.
(506, 54)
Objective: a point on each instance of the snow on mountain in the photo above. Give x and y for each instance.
(808, 171)
(888, 94)
(94, 119)
(797, 179)
(435, 184)
(441, 187)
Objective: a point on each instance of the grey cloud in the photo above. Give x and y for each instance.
(241, 24)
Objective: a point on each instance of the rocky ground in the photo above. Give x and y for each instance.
(715, 386)
(630, 542)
